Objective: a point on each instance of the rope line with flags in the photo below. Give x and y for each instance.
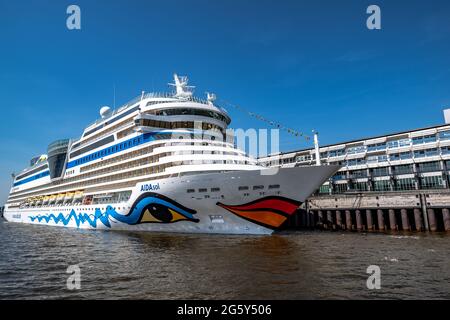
(269, 122)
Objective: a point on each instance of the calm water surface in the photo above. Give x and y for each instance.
(290, 265)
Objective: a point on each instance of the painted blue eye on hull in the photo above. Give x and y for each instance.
(148, 199)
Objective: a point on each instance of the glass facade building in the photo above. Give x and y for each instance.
(411, 160)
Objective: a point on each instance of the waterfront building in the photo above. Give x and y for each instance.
(417, 159)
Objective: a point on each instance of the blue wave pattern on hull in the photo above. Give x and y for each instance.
(145, 203)
(79, 218)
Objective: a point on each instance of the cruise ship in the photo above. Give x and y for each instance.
(163, 162)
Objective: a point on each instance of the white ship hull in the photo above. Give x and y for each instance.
(165, 205)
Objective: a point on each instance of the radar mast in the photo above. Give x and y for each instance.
(182, 90)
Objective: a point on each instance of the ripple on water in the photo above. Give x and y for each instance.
(289, 265)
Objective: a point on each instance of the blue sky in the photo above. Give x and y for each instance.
(306, 64)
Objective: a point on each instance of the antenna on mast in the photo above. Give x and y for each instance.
(114, 96)
(316, 147)
(211, 97)
(182, 90)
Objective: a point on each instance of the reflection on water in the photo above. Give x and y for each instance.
(290, 265)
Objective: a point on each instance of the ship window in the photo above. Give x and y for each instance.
(92, 146)
(190, 190)
(111, 121)
(215, 189)
(258, 187)
(274, 186)
(243, 188)
(202, 190)
(31, 172)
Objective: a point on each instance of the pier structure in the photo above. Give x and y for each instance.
(399, 181)
(415, 211)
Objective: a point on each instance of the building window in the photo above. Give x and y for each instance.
(339, 176)
(336, 153)
(417, 140)
(360, 186)
(405, 155)
(429, 138)
(376, 147)
(400, 156)
(398, 143)
(445, 150)
(430, 166)
(274, 186)
(190, 190)
(215, 189)
(303, 158)
(382, 185)
(340, 188)
(404, 169)
(242, 188)
(358, 149)
(405, 184)
(394, 157)
(356, 162)
(424, 139)
(258, 187)
(202, 190)
(419, 154)
(444, 135)
(358, 174)
(379, 172)
(434, 182)
(376, 159)
(324, 189)
(431, 152)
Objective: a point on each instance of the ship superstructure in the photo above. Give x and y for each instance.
(161, 162)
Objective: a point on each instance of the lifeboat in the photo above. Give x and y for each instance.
(38, 200)
(45, 200)
(31, 201)
(78, 195)
(52, 199)
(69, 196)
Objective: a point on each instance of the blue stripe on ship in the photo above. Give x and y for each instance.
(119, 147)
(32, 178)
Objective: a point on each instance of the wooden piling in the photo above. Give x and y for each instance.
(405, 220)
(369, 220)
(338, 219)
(359, 222)
(381, 225)
(446, 217)
(348, 220)
(392, 220)
(418, 220)
(303, 219)
(330, 221)
(312, 219)
(432, 220)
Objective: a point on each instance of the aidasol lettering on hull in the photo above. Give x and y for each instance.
(150, 187)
